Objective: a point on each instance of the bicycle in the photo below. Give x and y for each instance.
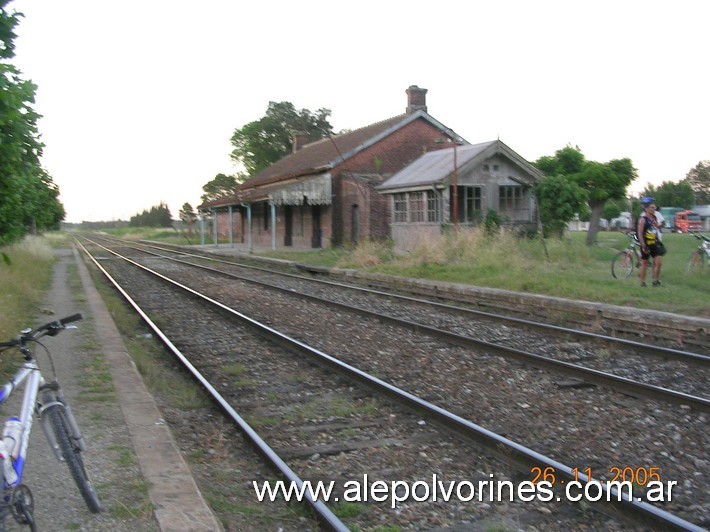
(622, 264)
(700, 255)
(45, 400)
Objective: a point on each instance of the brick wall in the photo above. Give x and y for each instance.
(301, 226)
(354, 181)
(223, 225)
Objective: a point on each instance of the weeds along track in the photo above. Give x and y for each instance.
(333, 429)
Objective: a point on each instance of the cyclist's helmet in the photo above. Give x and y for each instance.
(646, 201)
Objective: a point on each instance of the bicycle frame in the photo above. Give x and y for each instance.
(14, 464)
(45, 400)
(623, 263)
(15, 460)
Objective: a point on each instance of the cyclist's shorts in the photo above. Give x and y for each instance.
(656, 250)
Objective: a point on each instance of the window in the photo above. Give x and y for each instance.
(510, 198)
(267, 215)
(472, 204)
(400, 207)
(416, 207)
(433, 207)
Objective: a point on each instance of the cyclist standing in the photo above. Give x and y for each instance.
(651, 246)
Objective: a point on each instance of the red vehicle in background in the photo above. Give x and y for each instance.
(686, 221)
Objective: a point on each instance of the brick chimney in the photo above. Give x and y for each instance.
(416, 99)
(299, 141)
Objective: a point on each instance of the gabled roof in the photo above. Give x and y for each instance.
(436, 167)
(321, 156)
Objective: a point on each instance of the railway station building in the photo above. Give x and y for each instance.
(324, 194)
(355, 185)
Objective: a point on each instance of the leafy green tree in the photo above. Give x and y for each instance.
(601, 181)
(613, 208)
(558, 199)
(28, 197)
(670, 194)
(188, 217)
(157, 216)
(699, 180)
(261, 143)
(222, 186)
(8, 21)
(43, 209)
(636, 209)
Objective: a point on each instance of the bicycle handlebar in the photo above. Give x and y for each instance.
(632, 235)
(52, 329)
(701, 237)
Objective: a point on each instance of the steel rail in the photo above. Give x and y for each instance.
(624, 506)
(667, 353)
(621, 384)
(325, 515)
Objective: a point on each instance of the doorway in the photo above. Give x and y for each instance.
(316, 236)
(288, 225)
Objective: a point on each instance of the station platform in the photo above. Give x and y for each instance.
(135, 422)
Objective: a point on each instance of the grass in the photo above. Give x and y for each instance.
(566, 268)
(25, 276)
(162, 234)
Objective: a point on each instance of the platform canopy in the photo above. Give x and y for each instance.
(316, 190)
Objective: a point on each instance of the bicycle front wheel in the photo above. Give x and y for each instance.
(72, 456)
(622, 265)
(697, 261)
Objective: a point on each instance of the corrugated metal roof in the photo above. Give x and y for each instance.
(435, 166)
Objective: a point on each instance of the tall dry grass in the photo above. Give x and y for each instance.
(366, 255)
(501, 259)
(25, 274)
(468, 247)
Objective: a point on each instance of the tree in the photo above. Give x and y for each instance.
(670, 194)
(8, 21)
(157, 216)
(261, 143)
(222, 186)
(699, 180)
(601, 181)
(188, 217)
(613, 209)
(559, 199)
(43, 210)
(28, 197)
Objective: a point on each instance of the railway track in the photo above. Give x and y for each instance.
(460, 383)
(631, 367)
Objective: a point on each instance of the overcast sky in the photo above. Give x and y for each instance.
(140, 98)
